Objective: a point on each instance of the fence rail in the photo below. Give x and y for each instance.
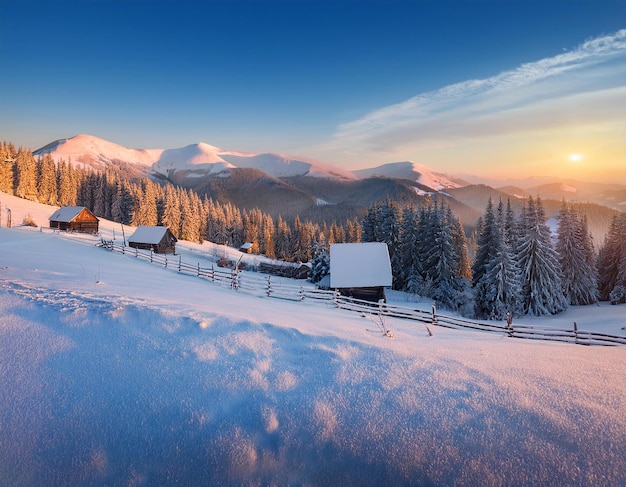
(278, 288)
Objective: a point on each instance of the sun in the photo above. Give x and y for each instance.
(575, 157)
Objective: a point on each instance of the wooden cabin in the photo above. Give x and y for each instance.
(159, 240)
(246, 247)
(360, 270)
(74, 219)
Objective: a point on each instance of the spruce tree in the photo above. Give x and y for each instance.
(410, 277)
(7, 159)
(46, 180)
(442, 263)
(502, 276)
(576, 257)
(542, 293)
(25, 175)
(612, 262)
(171, 210)
(390, 233)
(267, 242)
(488, 246)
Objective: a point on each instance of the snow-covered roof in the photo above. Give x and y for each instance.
(359, 265)
(66, 213)
(148, 234)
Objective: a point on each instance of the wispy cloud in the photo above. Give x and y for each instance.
(587, 83)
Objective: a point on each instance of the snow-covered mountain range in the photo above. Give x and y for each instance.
(202, 159)
(197, 159)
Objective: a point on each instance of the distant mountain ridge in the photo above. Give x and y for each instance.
(196, 159)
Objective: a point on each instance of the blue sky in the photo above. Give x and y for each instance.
(494, 88)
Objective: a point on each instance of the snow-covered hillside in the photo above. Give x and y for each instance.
(200, 158)
(412, 171)
(114, 371)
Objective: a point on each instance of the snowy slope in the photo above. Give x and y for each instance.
(412, 171)
(117, 372)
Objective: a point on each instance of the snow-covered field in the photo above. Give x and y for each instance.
(117, 372)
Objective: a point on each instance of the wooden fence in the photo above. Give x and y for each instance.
(273, 287)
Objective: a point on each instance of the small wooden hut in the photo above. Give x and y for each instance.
(74, 219)
(246, 248)
(360, 270)
(158, 239)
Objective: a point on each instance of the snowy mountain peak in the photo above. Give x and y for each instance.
(200, 157)
(88, 150)
(412, 171)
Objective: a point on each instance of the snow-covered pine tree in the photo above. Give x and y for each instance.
(171, 210)
(612, 262)
(353, 230)
(267, 242)
(442, 263)
(46, 180)
(502, 276)
(424, 241)
(25, 173)
(282, 239)
(542, 293)
(578, 267)
(390, 233)
(99, 195)
(320, 264)
(410, 278)
(7, 162)
(488, 244)
(66, 187)
(371, 224)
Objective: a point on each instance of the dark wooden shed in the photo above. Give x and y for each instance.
(158, 239)
(74, 219)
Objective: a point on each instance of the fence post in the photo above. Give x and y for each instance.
(269, 286)
(234, 281)
(151, 256)
(301, 293)
(136, 252)
(336, 298)
(212, 274)
(180, 262)
(509, 324)
(434, 314)
(575, 332)
(166, 261)
(198, 269)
